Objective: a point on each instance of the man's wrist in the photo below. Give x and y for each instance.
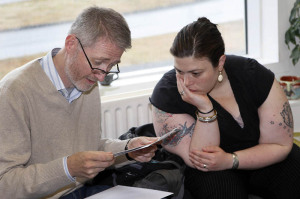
(65, 164)
(126, 148)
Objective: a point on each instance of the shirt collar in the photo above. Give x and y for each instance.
(51, 72)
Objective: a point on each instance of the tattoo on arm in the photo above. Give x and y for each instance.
(175, 140)
(287, 117)
(161, 117)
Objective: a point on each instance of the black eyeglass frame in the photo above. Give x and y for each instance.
(92, 68)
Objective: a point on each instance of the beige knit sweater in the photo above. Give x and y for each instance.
(38, 127)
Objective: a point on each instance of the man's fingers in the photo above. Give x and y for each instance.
(101, 156)
(148, 140)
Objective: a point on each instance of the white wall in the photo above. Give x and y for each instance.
(274, 51)
(284, 65)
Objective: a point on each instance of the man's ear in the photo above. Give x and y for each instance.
(71, 43)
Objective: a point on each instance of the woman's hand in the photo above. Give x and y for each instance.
(201, 101)
(211, 158)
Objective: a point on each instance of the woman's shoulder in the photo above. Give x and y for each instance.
(167, 82)
(249, 74)
(239, 64)
(169, 77)
(234, 61)
(164, 89)
(165, 95)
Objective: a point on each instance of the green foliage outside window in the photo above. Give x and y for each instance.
(292, 35)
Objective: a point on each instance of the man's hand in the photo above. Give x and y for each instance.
(143, 155)
(88, 164)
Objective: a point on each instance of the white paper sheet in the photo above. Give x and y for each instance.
(124, 192)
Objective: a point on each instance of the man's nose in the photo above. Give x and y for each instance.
(100, 77)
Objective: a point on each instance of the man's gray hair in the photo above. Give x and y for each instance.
(95, 22)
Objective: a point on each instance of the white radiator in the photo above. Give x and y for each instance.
(121, 112)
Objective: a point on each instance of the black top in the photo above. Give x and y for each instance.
(251, 83)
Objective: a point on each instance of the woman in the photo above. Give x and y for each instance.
(236, 123)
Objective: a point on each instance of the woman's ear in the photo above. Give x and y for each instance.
(222, 62)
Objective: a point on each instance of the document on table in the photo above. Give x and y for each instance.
(145, 146)
(125, 192)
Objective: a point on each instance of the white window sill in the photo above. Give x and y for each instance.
(134, 81)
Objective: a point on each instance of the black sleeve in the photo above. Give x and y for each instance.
(262, 81)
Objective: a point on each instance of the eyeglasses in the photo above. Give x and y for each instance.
(99, 71)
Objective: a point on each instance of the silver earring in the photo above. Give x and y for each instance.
(220, 77)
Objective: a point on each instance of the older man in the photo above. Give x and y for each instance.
(50, 131)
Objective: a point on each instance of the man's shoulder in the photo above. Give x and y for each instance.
(21, 76)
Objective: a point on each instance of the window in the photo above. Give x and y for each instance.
(154, 30)
(29, 29)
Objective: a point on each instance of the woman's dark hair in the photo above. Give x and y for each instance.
(199, 39)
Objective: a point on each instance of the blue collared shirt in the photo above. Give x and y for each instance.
(50, 70)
